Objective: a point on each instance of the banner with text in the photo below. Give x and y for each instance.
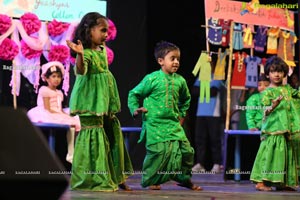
(267, 14)
(61, 10)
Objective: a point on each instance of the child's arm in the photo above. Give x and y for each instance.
(184, 100)
(275, 103)
(137, 94)
(46, 101)
(251, 105)
(78, 48)
(139, 110)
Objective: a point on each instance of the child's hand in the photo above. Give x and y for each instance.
(181, 120)
(140, 110)
(78, 48)
(275, 103)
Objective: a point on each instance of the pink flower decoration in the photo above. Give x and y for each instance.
(112, 31)
(110, 55)
(31, 23)
(72, 60)
(28, 52)
(56, 28)
(59, 53)
(5, 23)
(8, 49)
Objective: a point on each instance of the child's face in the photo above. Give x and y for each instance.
(54, 80)
(99, 33)
(170, 63)
(262, 85)
(276, 78)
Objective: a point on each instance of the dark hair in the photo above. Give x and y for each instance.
(49, 72)
(276, 64)
(83, 30)
(163, 48)
(263, 77)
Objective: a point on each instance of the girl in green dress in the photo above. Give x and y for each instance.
(101, 161)
(275, 163)
(166, 98)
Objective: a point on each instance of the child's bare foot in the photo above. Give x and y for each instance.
(262, 187)
(154, 187)
(125, 187)
(190, 185)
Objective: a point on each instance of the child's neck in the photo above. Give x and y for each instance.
(51, 87)
(275, 85)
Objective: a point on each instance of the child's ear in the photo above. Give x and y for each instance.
(160, 60)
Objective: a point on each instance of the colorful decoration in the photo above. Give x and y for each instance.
(56, 28)
(251, 7)
(5, 23)
(59, 53)
(8, 49)
(112, 31)
(31, 23)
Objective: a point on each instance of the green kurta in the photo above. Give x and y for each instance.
(275, 161)
(169, 154)
(100, 158)
(254, 111)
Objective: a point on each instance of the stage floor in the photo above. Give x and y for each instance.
(214, 187)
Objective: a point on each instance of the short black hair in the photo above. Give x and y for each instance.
(276, 64)
(162, 48)
(263, 77)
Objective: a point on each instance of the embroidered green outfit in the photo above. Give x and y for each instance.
(100, 157)
(169, 154)
(275, 162)
(254, 111)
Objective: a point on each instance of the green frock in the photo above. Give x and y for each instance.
(275, 162)
(101, 161)
(169, 155)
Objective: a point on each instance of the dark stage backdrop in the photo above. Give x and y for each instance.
(140, 25)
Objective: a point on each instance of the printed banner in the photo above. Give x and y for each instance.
(266, 14)
(61, 10)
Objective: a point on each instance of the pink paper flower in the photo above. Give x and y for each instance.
(56, 28)
(112, 31)
(8, 49)
(28, 52)
(5, 23)
(31, 23)
(59, 53)
(72, 60)
(110, 55)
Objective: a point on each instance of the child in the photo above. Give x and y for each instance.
(275, 163)
(101, 161)
(254, 108)
(49, 104)
(166, 98)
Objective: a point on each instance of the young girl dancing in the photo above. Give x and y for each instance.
(275, 163)
(101, 161)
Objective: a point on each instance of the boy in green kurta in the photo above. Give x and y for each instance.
(166, 98)
(275, 162)
(254, 108)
